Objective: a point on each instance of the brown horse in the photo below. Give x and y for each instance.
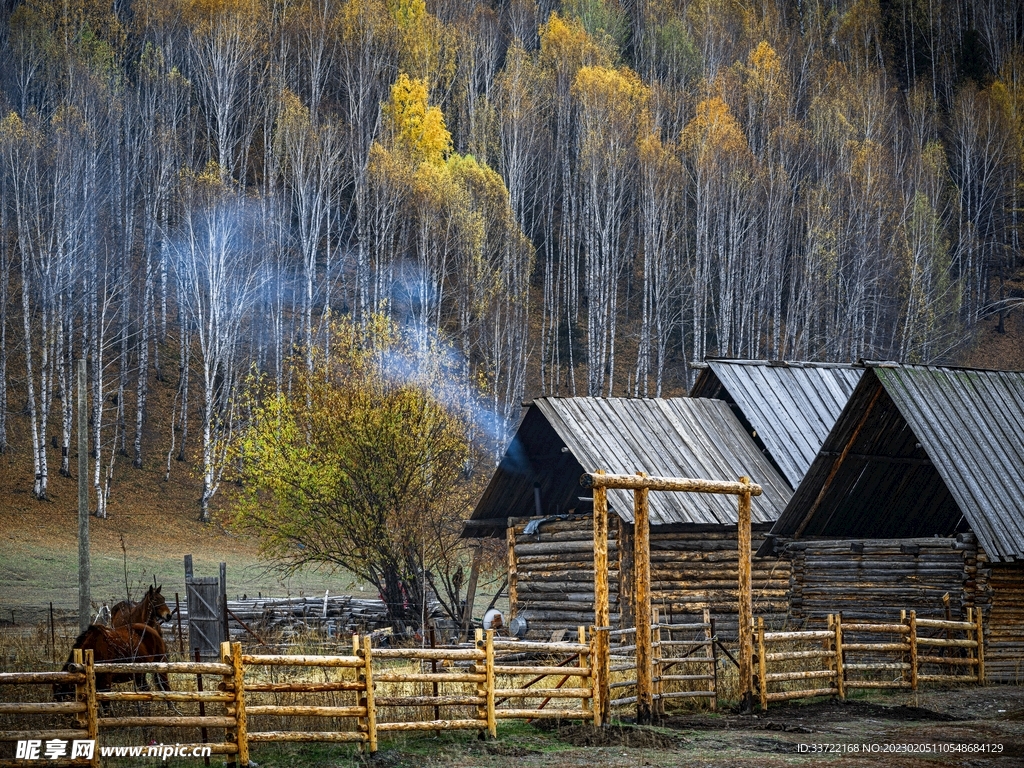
(152, 609)
(134, 643)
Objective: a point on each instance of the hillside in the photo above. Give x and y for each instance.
(543, 197)
(155, 521)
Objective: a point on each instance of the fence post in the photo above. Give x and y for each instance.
(642, 605)
(91, 711)
(485, 690)
(709, 635)
(659, 702)
(81, 689)
(595, 687)
(980, 630)
(230, 709)
(746, 611)
(840, 673)
(601, 609)
(762, 665)
(913, 650)
(241, 724)
(371, 706)
(492, 722)
(584, 659)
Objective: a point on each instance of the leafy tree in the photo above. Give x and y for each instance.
(361, 466)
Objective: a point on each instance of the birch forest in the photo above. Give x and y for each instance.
(572, 198)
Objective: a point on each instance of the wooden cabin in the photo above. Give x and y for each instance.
(916, 493)
(535, 501)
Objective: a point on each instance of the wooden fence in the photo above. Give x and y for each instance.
(845, 655)
(84, 714)
(242, 699)
(683, 660)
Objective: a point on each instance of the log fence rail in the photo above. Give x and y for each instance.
(863, 654)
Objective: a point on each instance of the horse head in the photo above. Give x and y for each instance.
(159, 609)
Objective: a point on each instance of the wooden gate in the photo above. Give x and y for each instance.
(206, 626)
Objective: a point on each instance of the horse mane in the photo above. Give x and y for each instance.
(78, 643)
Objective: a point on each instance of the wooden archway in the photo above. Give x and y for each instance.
(641, 484)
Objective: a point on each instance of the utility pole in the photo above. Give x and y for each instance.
(84, 602)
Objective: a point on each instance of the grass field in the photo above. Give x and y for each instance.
(152, 525)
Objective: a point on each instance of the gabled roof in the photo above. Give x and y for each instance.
(791, 406)
(920, 451)
(560, 438)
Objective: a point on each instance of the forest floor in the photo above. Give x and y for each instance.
(935, 728)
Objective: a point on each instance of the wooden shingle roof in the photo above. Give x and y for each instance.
(791, 406)
(920, 451)
(560, 438)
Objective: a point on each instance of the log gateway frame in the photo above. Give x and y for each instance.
(641, 484)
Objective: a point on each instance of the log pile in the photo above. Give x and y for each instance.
(345, 613)
(874, 579)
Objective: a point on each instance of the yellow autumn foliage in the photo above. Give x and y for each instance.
(416, 127)
(565, 46)
(713, 132)
(614, 113)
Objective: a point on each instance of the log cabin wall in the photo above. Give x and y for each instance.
(874, 579)
(691, 569)
(698, 568)
(554, 574)
(1003, 585)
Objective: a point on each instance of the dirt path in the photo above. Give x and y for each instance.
(943, 728)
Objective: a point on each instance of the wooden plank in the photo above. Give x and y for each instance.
(296, 710)
(186, 696)
(155, 721)
(304, 687)
(552, 693)
(339, 737)
(895, 665)
(963, 626)
(788, 695)
(431, 701)
(544, 714)
(792, 655)
(184, 667)
(525, 645)
(42, 708)
(353, 662)
(779, 677)
(425, 677)
(686, 694)
(522, 669)
(808, 635)
(854, 626)
(427, 654)
(434, 725)
(41, 678)
(58, 733)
